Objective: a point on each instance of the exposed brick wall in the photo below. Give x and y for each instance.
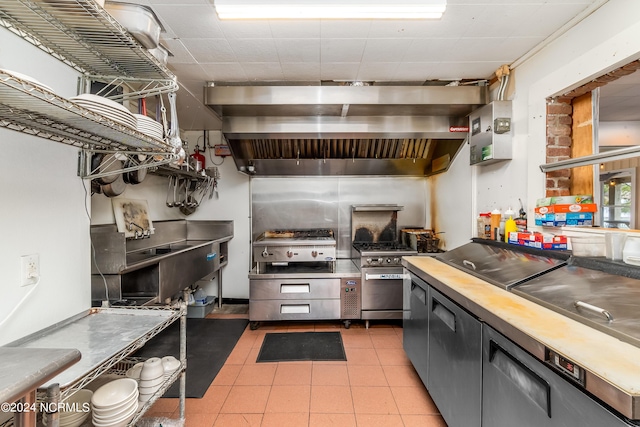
(559, 121)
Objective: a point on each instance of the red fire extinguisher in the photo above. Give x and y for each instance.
(197, 159)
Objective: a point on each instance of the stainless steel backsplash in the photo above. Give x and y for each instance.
(325, 202)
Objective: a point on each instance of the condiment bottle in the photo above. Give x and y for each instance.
(509, 225)
(484, 225)
(495, 224)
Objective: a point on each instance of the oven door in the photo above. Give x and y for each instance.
(382, 288)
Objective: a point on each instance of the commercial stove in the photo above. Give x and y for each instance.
(281, 247)
(378, 253)
(297, 277)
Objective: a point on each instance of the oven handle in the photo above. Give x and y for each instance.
(386, 276)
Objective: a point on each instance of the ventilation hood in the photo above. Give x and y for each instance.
(344, 130)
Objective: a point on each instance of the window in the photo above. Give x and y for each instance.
(617, 199)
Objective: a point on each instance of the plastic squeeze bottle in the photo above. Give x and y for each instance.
(509, 225)
(495, 224)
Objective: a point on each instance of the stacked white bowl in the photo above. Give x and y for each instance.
(76, 409)
(151, 378)
(170, 364)
(134, 371)
(115, 403)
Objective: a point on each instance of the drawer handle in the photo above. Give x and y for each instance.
(295, 309)
(468, 264)
(295, 288)
(605, 313)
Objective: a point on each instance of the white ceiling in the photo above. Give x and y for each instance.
(472, 40)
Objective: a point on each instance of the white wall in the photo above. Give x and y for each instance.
(605, 40)
(43, 211)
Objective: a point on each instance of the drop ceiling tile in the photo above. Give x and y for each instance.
(413, 71)
(263, 71)
(210, 50)
(254, 50)
(342, 50)
(300, 71)
(188, 71)
(224, 72)
(295, 29)
(388, 29)
(376, 71)
(428, 50)
(190, 21)
(181, 54)
(337, 29)
(245, 29)
(298, 50)
(387, 50)
(339, 71)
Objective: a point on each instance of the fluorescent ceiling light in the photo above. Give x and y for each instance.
(330, 9)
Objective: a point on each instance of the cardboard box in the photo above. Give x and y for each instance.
(564, 219)
(539, 241)
(576, 207)
(565, 200)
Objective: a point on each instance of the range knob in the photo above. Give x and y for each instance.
(314, 253)
(289, 253)
(396, 260)
(265, 253)
(388, 260)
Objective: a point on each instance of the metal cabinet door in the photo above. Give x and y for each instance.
(519, 390)
(455, 361)
(415, 325)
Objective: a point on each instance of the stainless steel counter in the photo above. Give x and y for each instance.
(26, 369)
(345, 268)
(103, 336)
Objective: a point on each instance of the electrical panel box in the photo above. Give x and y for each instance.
(490, 134)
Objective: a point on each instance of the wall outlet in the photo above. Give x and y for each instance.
(30, 269)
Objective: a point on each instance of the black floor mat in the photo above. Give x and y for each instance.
(294, 346)
(209, 343)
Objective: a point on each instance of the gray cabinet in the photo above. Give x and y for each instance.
(519, 390)
(415, 324)
(455, 361)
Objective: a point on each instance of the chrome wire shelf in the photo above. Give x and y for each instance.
(83, 35)
(99, 335)
(29, 108)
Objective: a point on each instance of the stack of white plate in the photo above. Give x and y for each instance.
(106, 107)
(148, 126)
(115, 403)
(151, 378)
(76, 409)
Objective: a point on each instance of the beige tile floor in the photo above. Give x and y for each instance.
(376, 386)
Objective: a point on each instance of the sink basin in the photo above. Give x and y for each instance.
(139, 256)
(145, 254)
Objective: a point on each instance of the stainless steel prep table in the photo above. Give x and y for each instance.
(104, 337)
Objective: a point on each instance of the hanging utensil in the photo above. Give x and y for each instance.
(169, 188)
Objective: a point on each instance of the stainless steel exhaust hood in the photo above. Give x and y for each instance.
(344, 130)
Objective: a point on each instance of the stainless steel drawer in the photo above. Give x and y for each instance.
(293, 289)
(318, 309)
